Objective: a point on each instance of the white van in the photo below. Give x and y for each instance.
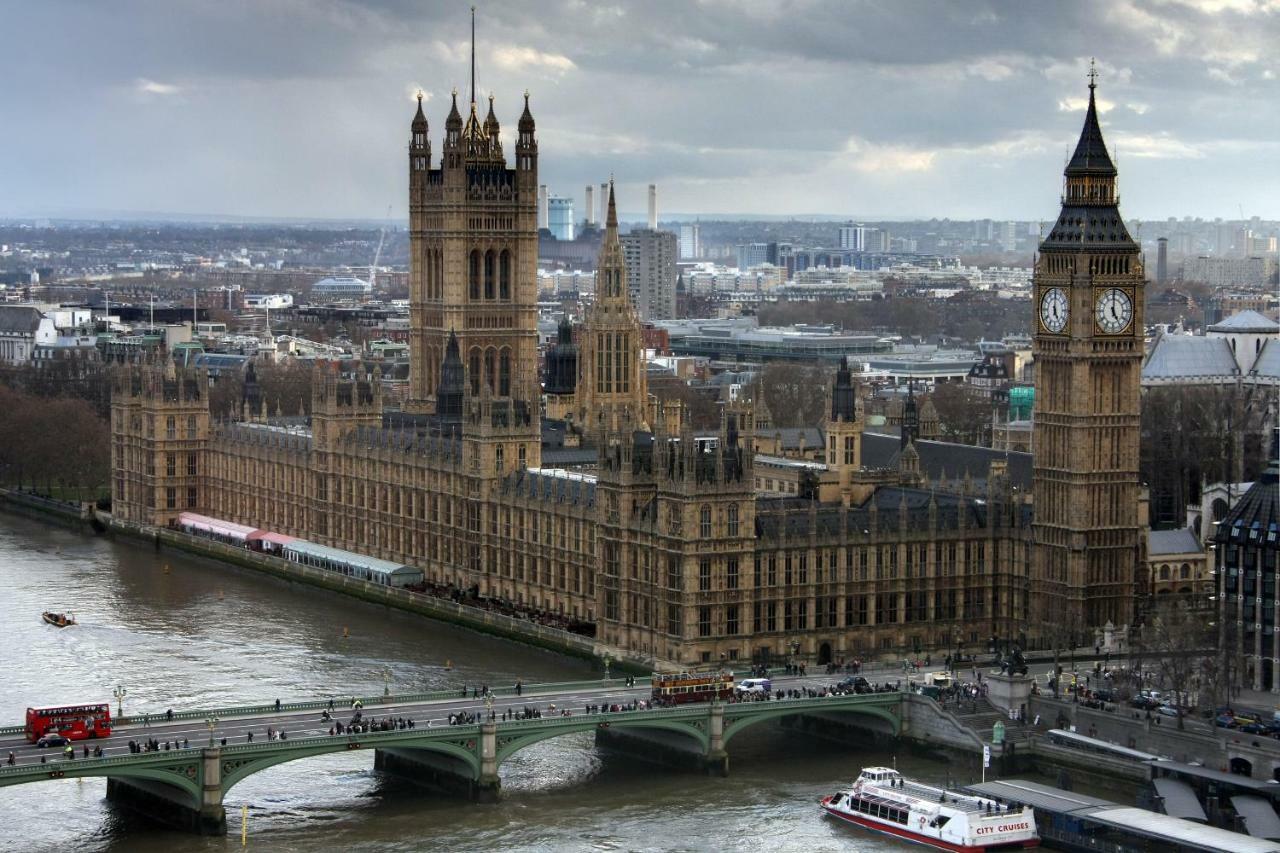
(754, 686)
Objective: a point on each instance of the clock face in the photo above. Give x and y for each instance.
(1114, 311)
(1053, 310)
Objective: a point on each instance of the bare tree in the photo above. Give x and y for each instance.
(964, 412)
(796, 394)
(1174, 640)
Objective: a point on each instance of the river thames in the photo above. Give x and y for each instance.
(185, 633)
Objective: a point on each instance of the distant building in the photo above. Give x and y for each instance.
(340, 287)
(1231, 272)
(690, 242)
(22, 329)
(650, 258)
(752, 255)
(271, 301)
(853, 237)
(1162, 260)
(560, 217)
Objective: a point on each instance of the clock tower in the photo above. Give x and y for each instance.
(1088, 290)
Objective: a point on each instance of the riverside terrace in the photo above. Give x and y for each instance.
(185, 788)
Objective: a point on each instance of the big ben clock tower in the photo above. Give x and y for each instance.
(1088, 291)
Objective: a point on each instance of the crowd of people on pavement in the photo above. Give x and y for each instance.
(471, 597)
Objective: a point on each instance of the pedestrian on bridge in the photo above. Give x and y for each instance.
(277, 706)
(12, 758)
(519, 687)
(168, 715)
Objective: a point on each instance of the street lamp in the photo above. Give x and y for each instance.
(212, 723)
(607, 661)
(386, 681)
(488, 705)
(119, 693)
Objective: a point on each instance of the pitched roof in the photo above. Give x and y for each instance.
(938, 458)
(19, 318)
(1246, 321)
(1181, 541)
(1178, 356)
(1268, 361)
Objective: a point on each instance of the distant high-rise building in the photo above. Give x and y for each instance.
(690, 242)
(560, 217)
(752, 255)
(651, 272)
(1009, 236)
(853, 237)
(590, 205)
(653, 207)
(1162, 260)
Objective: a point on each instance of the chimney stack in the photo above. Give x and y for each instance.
(653, 207)
(591, 205)
(544, 216)
(603, 214)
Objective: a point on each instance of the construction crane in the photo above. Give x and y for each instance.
(377, 255)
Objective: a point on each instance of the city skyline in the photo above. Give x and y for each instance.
(299, 111)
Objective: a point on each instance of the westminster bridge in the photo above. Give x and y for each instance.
(212, 750)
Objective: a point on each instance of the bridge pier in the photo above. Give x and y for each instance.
(716, 761)
(173, 807)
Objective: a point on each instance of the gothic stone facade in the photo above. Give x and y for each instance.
(667, 548)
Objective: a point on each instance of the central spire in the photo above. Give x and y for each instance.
(473, 58)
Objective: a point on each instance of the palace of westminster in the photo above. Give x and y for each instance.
(665, 546)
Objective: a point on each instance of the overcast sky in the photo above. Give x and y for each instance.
(894, 109)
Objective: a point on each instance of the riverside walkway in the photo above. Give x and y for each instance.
(211, 750)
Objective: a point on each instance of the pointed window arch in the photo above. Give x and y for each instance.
(474, 370)
(490, 274)
(504, 275)
(490, 368)
(474, 275)
(504, 372)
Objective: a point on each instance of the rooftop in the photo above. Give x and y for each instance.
(1164, 542)
(1246, 321)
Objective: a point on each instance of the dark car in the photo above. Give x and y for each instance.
(1255, 728)
(52, 739)
(855, 684)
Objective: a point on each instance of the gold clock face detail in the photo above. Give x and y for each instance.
(1054, 310)
(1113, 311)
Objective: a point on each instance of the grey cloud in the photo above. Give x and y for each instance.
(290, 107)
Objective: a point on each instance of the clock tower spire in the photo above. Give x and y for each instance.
(1088, 285)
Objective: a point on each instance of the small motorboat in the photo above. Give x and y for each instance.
(58, 620)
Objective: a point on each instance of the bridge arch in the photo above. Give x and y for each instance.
(183, 780)
(734, 724)
(509, 745)
(237, 768)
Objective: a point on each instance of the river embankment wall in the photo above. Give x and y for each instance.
(83, 516)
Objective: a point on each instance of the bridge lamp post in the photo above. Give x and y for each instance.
(212, 723)
(386, 681)
(119, 693)
(488, 705)
(607, 660)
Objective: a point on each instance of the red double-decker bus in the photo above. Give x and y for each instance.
(74, 722)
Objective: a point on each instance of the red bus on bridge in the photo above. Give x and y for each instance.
(691, 687)
(74, 722)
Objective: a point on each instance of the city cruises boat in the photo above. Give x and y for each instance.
(58, 620)
(883, 801)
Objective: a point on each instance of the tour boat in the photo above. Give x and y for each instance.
(58, 620)
(882, 800)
